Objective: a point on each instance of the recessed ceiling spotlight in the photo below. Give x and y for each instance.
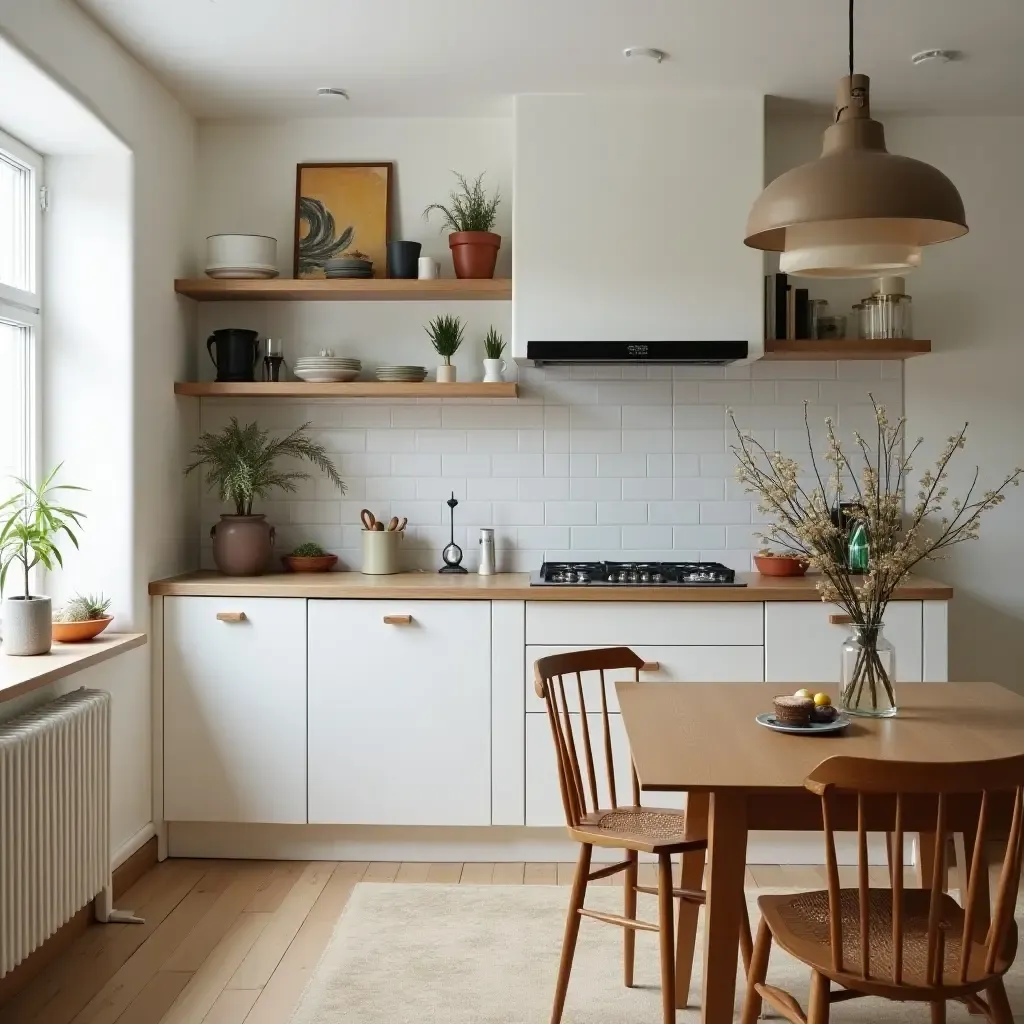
(936, 57)
(330, 90)
(645, 51)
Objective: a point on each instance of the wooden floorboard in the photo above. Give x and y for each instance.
(235, 942)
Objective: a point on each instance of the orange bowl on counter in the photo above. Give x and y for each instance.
(78, 632)
(309, 563)
(780, 565)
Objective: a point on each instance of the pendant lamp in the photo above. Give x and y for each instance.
(858, 210)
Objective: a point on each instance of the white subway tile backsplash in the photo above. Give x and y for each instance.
(591, 462)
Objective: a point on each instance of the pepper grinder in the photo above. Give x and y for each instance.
(452, 554)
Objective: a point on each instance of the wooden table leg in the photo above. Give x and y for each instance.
(727, 856)
(697, 805)
(926, 853)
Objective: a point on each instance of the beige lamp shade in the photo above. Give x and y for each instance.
(858, 210)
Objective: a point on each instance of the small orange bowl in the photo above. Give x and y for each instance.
(780, 565)
(78, 632)
(310, 563)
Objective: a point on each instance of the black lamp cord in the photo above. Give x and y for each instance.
(839, 112)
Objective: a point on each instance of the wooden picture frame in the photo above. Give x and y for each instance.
(354, 197)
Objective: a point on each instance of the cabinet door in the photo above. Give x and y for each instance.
(235, 709)
(400, 712)
(802, 646)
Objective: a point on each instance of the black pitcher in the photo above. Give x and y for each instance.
(234, 352)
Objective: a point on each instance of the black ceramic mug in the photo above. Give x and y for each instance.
(403, 259)
(234, 352)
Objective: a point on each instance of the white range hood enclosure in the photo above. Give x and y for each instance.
(629, 218)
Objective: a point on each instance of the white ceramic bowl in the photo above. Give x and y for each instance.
(257, 251)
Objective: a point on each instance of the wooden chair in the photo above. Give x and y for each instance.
(631, 828)
(915, 945)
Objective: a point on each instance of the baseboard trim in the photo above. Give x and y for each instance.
(128, 850)
(125, 876)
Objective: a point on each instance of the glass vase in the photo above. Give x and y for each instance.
(868, 674)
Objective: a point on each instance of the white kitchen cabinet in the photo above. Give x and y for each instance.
(802, 646)
(234, 709)
(696, 664)
(400, 712)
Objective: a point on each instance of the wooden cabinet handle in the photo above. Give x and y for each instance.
(397, 620)
(650, 666)
(231, 616)
(841, 620)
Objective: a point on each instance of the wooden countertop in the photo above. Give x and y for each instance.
(501, 587)
(22, 675)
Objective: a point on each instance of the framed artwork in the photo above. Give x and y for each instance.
(340, 210)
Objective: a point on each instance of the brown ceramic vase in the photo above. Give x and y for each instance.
(474, 253)
(242, 545)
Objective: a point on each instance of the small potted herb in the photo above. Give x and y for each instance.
(445, 333)
(309, 557)
(30, 526)
(470, 214)
(82, 618)
(240, 465)
(494, 365)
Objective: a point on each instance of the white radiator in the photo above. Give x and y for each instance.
(54, 819)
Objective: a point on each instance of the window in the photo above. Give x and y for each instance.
(20, 184)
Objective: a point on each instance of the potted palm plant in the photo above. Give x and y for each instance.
(470, 214)
(32, 523)
(240, 465)
(445, 333)
(494, 365)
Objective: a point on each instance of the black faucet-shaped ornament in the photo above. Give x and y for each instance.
(452, 554)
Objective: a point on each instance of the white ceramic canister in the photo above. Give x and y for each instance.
(493, 370)
(254, 251)
(427, 267)
(381, 551)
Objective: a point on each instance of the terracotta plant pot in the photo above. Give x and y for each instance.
(780, 565)
(77, 632)
(308, 563)
(474, 253)
(242, 545)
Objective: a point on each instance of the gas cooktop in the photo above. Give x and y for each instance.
(635, 574)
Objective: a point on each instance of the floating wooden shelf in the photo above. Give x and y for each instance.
(353, 389)
(206, 289)
(846, 348)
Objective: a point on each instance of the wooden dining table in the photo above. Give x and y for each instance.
(702, 739)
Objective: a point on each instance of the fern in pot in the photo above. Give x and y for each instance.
(445, 333)
(470, 213)
(241, 466)
(31, 524)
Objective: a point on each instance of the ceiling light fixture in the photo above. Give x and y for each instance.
(645, 51)
(330, 90)
(936, 56)
(858, 210)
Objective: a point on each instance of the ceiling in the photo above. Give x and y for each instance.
(265, 58)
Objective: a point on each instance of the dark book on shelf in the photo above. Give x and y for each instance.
(802, 314)
(781, 288)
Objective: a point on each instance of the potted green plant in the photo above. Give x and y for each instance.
(494, 365)
(445, 333)
(240, 465)
(82, 618)
(470, 214)
(309, 557)
(32, 523)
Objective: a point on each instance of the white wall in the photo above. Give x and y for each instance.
(966, 300)
(140, 432)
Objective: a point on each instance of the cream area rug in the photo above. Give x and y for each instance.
(433, 954)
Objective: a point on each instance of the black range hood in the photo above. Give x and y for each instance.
(705, 353)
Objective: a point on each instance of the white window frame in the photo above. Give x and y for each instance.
(23, 307)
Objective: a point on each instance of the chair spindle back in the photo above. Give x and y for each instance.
(874, 783)
(582, 796)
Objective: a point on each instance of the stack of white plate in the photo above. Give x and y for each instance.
(326, 369)
(401, 373)
(241, 256)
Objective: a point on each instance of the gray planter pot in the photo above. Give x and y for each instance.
(27, 625)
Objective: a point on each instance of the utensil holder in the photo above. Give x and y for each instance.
(381, 552)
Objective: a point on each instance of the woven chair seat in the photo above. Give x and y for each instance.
(643, 827)
(800, 924)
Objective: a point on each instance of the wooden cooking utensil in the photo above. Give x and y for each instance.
(393, 525)
(401, 524)
(378, 526)
(367, 518)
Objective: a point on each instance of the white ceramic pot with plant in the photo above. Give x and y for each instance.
(470, 214)
(32, 524)
(494, 365)
(240, 466)
(445, 333)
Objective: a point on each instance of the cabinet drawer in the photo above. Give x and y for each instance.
(682, 664)
(235, 709)
(600, 624)
(802, 646)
